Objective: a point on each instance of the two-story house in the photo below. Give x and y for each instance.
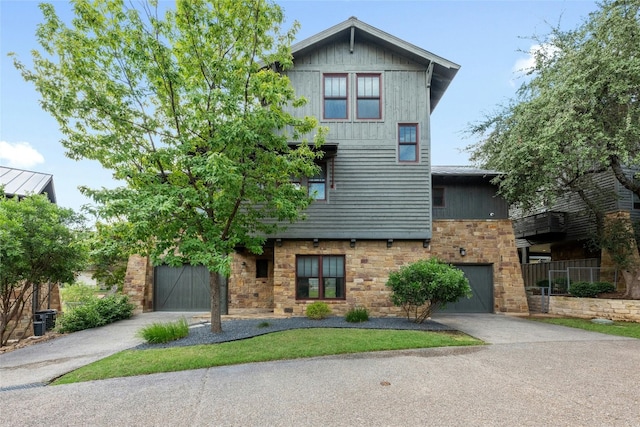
(376, 205)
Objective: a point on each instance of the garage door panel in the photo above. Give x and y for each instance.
(183, 288)
(481, 282)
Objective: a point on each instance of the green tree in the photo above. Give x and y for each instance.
(188, 108)
(108, 254)
(578, 114)
(37, 246)
(424, 286)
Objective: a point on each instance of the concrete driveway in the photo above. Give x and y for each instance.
(533, 374)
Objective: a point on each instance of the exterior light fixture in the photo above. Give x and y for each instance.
(426, 243)
(389, 243)
(278, 242)
(352, 244)
(315, 243)
(463, 251)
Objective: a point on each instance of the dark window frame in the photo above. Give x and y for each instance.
(415, 144)
(305, 182)
(358, 97)
(442, 197)
(326, 98)
(320, 259)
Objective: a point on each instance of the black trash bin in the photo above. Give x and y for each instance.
(39, 324)
(48, 317)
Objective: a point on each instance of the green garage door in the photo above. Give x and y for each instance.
(183, 288)
(481, 281)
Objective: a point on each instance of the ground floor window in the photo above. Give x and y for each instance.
(320, 277)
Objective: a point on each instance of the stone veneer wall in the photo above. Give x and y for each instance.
(367, 268)
(138, 283)
(589, 308)
(49, 299)
(245, 289)
(369, 263)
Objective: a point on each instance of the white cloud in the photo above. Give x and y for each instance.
(19, 155)
(525, 65)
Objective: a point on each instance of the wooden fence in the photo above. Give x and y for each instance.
(533, 273)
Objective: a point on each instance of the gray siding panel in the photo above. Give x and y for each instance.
(478, 201)
(369, 194)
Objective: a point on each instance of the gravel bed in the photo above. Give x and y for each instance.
(234, 329)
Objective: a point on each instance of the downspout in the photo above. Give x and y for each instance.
(428, 76)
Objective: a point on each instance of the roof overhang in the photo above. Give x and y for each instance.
(356, 31)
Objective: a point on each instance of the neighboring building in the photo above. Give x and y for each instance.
(20, 183)
(562, 232)
(379, 205)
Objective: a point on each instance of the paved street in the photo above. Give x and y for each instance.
(537, 375)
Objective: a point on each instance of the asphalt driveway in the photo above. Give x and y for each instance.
(531, 374)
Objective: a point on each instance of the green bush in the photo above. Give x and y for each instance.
(76, 294)
(96, 312)
(426, 285)
(544, 283)
(158, 333)
(590, 290)
(318, 310)
(357, 315)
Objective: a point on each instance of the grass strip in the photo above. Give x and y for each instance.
(292, 344)
(623, 329)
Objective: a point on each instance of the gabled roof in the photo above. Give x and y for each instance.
(356, 31)
(21, 183)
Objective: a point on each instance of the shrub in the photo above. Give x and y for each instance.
(424, 286)
(544, 283)
(590, 290)
(318, 310)
(158, 333)
(96, 312)
(76, 294)
(357, 315)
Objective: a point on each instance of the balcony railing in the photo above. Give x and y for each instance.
(540, 225)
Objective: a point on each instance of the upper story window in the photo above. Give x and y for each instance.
(437, 194)
(368, 100)
(320, 277)
(316, 185)
(335, 96)
(408, 142)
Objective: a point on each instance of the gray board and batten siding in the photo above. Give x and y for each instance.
(370, 194)
(468, 194)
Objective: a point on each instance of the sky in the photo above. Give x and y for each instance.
(490, 40)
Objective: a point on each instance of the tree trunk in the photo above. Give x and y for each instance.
(632, 283)
(214, 286)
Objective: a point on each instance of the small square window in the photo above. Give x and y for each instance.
(438, 197)
(262, 268)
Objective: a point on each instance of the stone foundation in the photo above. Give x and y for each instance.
(367, 265)
(49, 298)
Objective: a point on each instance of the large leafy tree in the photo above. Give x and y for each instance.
(38, 245)
(576, 116)
(187, 107)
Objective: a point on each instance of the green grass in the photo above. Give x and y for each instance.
(623, 329)
(293, 344)
(164, 332)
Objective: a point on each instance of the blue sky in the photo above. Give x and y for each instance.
(489, 39)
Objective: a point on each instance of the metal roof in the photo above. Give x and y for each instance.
(21, 183)
(462, 171)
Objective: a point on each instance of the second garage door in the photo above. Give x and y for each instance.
(481, 282)
(183, 288)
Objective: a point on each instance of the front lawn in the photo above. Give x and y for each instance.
(292, 344)
(623, 329)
